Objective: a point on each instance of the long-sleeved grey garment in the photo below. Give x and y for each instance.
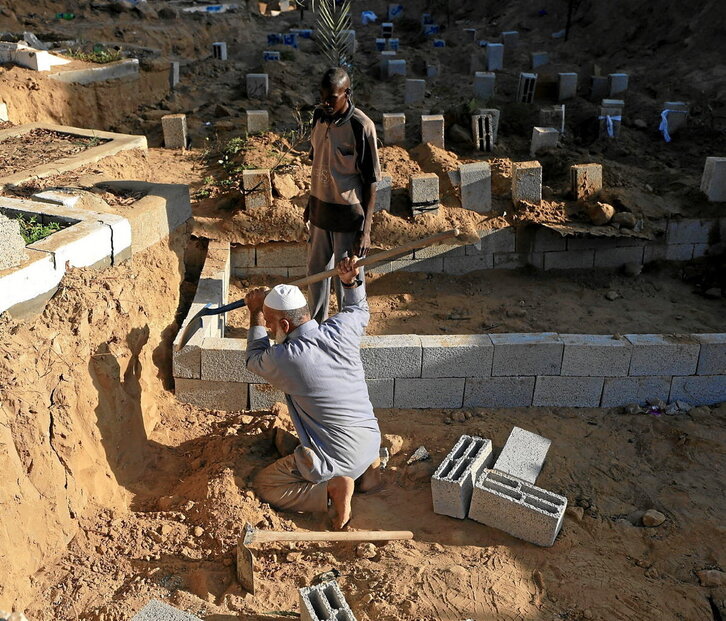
(319, 369)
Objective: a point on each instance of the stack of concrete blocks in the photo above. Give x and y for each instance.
(526, 87)
(258, 85)
(526, 182)
(174, 127)
(485, 128)
(324, 602)
(257, 121)
(566, 86)
(610, 117)
(676, 113)
(432, 129)
(414, 92)
(553, 116)
(484, 84)
(257, 188)
(424, 192)
(543, 138)
(271, 56)
(12, 244)
(510, 39)
(173, 76)
(539, 59)
(586, 180)
(394, 128)
(713, 181)
(453, 482)
(476, 186)
(219, 50)
(387, 30)
(617, 83)
(599, 87)
(495, 56)
(384, 187)
(156, 610)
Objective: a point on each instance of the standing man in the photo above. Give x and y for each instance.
(345, 172)
(319, 368)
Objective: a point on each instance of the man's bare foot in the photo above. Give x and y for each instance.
(370, 480)
(340, 491)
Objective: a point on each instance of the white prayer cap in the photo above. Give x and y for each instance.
(285, 297)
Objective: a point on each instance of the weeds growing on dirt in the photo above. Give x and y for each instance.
(100, 56)
(33, 231)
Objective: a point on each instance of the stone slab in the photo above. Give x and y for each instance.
(425, 393)
(174, 127)
(391, 356)
(658, 354)
(380, 392)
(225, 396)
(432, 129)
(156, 610)
(699, 389)
(523, 455)
(619, 391)
(571, 392)
(468, 355)
(527, 182)
(525, 354)
(394, 128)
(476, 187)
(712, 355)
(264, 396)
(713, 180)
(498, 392)
(595, 355)
(258, 188)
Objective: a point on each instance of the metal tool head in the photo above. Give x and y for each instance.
(249, 534)
(245, 565)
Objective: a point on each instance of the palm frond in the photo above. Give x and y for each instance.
(331, 20)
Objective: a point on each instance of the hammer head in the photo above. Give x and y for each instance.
(249, 534)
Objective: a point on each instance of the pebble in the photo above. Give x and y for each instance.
(393, 442)
(459, 417)
(711, 577)
(293, 557)
(625, 219)
(653, 518)
(612, 295)
(366, 550)
(198, 531)
(633, 408)
(600, 213)
(576, 513)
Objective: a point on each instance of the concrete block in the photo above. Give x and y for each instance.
(517, 508)
(526, 354)
(395, 67)
(690, 231)
(391, 356)
(225, 396)
(617, 257)
(571, 392)
(523, 455)
(495, 56)
(619, 391)
(324, 602)
(712, 355)
(543, 138)
(281, 254)
(394, 128)
(566, 86)
(453, 481)
(156, 610)
(387, 30)
(476, 187)
(258, 85)
(526, 87)
(425, 393)
(219, 50)
(466, 264)
(432, 129)
(484, 82)
(380, 392)
(430, 30)
(264, 396)
(440, 251)
(457, 355)
(432, 70)
(173, 77)
(498, 392)
(257, 121)
(585, 180)
(224, 360)
(174, 127)
(526, 182)
(433, 266)
(595, 355)
(393, 44)
(668, 252)
(384, 188)
(380, 44)
(12, 244)
(599, 87)
(484, 131)
(701, 250)
(617, 83)
(663, 354)
(414, 92)
(423, 190)
(257, 188)
(699, 389)
(495, 115)
(610, 121)
(510, 39)
(569, 260)
(470, 32)
(538, 59)
(676, 116)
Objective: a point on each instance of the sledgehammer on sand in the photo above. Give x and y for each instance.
(195, 323)
(246, 558)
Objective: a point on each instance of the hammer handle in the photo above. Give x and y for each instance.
(266, 536)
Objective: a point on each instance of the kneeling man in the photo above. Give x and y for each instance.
(319, 368)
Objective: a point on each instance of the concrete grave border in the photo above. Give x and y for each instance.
(462, 371)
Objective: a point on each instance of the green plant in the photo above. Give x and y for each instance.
(331, 20)
(32, 230)
(98, 55)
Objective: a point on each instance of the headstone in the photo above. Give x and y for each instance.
(270, 56)
(543, 138)
(432, 70)
(393, 44)
(599, 88)
(484, 128)
(484, 84)
(257, 121)
(673, 117)
(713, 181)
(396, 67)
(586, 180)
(618, 83)
(219, 50)
(567, 86)
(386, 58)
(476, 186)
(395, 11)
(415, 91)
(432, 129)
(613, 103)
(383, 193)
(257, 188)
(470, 32)
(526, 86)
(380, 44)
(173, 75)
(553, 116)
(258, 85)
(387, 30)
(510, 39)
(610, 119)
(424, 192)
(394, 128)
(12, 244)
(526, 182)
(174, 127)
(539, 59)
(495, 56)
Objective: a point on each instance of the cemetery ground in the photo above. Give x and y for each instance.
(113, 492)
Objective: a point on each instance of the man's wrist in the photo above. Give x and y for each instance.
(357, 282)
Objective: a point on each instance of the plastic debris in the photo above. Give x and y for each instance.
(420, 454)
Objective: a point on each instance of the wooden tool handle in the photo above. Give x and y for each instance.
(384, 255)
(265, 536)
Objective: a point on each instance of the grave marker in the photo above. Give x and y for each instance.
(424, 192)
(617, 83)
(415, 91)
(539, 59)
(394, 128)
(543, 138)
(484, 84)
(495, 56)
(567, 86)
(258, 85)
(257, 121)
(713, 181)
(174, 127)
(526, 182)
(219, 50)
(526, 86)
(432, 129)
